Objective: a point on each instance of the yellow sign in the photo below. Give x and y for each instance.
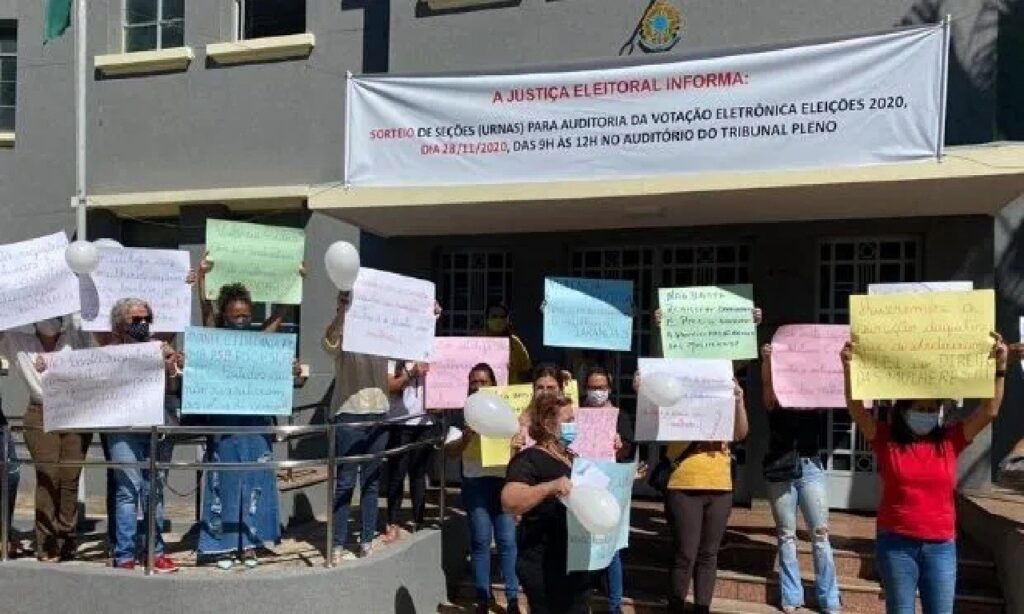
(934, 345)
(497, 451)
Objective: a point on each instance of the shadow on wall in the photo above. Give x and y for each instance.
(403, 602)
(1010, 72)
(1009, 273)
(971, 97)
(376, 32)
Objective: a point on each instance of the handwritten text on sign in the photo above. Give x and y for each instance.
(588, 313)
(923, 346)
(453, 357)
(109, 387)
(35, 281)
(806, 369)
(595, 436)
(267, 259)
(237, 372)
(707, 410)
(708, 322)
(390, 315)
(155, 275)
(920, 287)
(588, 552)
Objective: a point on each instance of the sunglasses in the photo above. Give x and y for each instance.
(141, 319)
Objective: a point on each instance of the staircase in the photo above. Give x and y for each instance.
(747, 578)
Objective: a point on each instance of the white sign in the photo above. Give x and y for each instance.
(114, 386)
(864, 100)
(921, 287)
(390, 315)
(707, 411)
(155, 275)
(35, 281)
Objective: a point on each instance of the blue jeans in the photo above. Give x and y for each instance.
(810, 494)
(907, 565)
(482, 498)
(615, 583)
(131, 490)
(13, 479)
(355, 441)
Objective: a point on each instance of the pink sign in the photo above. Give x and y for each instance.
(595, 432)
(451, 361)
(806, 369)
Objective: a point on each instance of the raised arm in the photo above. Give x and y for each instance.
(518, 498)
(741, 427)
(988, 409)
(768, 398)
(281, 312)
(332, 336)
(205, 304)
(866, 423)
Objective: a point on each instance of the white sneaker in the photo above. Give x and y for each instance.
(340, 555)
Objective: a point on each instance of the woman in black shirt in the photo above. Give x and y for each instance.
(536, 477)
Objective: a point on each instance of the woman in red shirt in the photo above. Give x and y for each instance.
(916, 453)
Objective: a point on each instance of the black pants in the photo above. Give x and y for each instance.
(698, 520)
(549, 589)
(414, 464)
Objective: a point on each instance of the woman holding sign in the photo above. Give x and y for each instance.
(407, 400)
(481, 495)
(917, 461)
(537, 477)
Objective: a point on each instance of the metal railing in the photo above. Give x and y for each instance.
(154, 466)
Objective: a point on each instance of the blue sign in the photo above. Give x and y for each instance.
(588, 313)
(589, 552)
(238, 372)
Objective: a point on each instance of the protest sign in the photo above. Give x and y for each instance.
(35, 281)
(708, 322)
(923, 346)
(115, 386)
(156, 276)
(707, 411)
(497, 451)
(588, 313)
(807, 371)
(595, 432)
(237, 372)
(266, 259)
(453, 357)
(589, 552)
(390, 315)
(918, 287)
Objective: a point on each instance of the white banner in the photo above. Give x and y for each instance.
(35, 281)
(390, 315)
(866, 100)
(707, 411)
(108, 387)
(154, 275)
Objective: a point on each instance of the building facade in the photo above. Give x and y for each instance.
(235, 108)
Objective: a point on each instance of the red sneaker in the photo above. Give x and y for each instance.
(164, 564)
(125, 565)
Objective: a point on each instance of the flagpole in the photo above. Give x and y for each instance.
(80, 84)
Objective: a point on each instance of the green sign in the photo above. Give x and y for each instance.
(266, 259)
(708, 322)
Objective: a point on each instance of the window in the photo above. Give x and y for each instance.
(470, 280)
(153, 24)
(8, 73)
(262, 18)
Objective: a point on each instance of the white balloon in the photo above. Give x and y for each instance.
(662, 389)
(342, 263)
(82, 257)
(107, 243)
(596, 509)
(490, 415)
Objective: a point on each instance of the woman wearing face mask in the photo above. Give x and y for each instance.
(130, 320)
(240, 508)
(917, 454)
(56, 495)
(598, 386)
(499, 324)
(536, 478)
(481, 496)
(210, 315)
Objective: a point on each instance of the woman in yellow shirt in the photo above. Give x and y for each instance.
(499, 324)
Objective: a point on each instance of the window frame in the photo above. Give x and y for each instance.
(239, 14)
(159, 22)
(12, 25)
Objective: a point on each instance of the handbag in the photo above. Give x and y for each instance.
(662, 472)
(784, 468)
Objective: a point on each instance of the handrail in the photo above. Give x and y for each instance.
(331, 461)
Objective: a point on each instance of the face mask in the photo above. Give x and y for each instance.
(48, 328)
(240, 324)
(138, 331)
(597, 398)
(567, 433)
(922, 422)
(496, 325)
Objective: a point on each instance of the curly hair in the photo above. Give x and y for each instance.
(230, 293)
(544, 408)
(119, 312)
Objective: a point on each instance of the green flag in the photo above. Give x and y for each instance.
(58, 18)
